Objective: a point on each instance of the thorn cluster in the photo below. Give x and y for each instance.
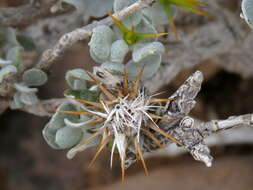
(127, 114)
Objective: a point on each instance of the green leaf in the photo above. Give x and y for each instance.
(34, 77)
(83, 94)
(67, 137)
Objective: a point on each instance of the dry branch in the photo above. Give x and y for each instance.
(26, 14)
(189, 133)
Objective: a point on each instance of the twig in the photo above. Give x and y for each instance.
(44, 107)
(182, 127)
(26, 14)
(225, 40)
(69, 39)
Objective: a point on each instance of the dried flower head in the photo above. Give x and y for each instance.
(126, 112)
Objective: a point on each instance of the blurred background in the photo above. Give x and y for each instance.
(28, 163)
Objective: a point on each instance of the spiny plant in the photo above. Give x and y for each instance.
(126, 113)
(130, 36)
(110, 107)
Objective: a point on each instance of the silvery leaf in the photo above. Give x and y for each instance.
(112, 66)
(34, 77)
(119, 49)
(29, 98)
(95, 141)
(131, 20)
(67, 137)
(78, 124)
(16, 103)
(145, 26)
(49, 136)
(100, 43)
(56, 123)
(57, 120)
(7, 70)
(152, 64)
(76, 79)
(141, 51)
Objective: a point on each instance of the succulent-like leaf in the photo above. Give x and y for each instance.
(67, 137)
(112, 66)
(16, 103)
(29, 98)
(131, 20)
(151, 63)
(100, 43)
(141, 51)
(34, 77)
(119, 49)
(94, 142)
(77, 78)
(57, 122)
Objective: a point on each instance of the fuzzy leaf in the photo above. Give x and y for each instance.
(29, 98)
(119, 49)
(100, 43)
(76, 79)
(112, 66)
(57, 122)
(152, 64)
(67, 137)
(94, 142)
(16, 103)
(143, 50)
(131, 20)
(34, 77)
